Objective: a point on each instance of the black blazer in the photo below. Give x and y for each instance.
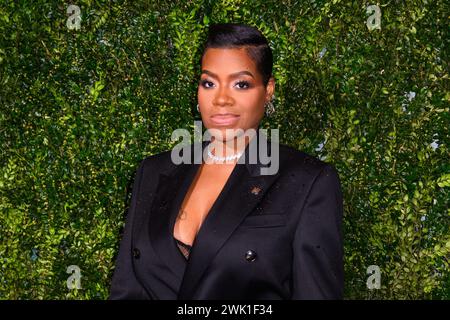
(283, 242)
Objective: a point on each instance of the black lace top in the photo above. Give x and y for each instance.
(184, 248)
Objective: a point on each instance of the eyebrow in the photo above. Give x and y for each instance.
(233, 75)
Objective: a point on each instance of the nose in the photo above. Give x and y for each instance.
(223, 97)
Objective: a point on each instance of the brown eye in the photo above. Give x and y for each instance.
(243, 85)
(206, 84)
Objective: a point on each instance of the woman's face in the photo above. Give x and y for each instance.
(231, 93)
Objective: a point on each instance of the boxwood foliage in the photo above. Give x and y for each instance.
(79, 108)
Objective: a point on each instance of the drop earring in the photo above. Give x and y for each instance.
(270, 108)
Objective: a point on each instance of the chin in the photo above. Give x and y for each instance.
(223, 133)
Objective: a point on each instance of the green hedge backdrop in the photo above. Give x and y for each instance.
(79, 108)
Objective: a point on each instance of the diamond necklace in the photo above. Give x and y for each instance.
(228, 158)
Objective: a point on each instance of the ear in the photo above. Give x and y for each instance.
(270, 89)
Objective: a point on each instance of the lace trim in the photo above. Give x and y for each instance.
(184, 248)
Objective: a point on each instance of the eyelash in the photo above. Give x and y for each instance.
(204, 82)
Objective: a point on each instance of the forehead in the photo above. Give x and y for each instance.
(226, 61)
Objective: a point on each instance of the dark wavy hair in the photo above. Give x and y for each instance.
(237, 36)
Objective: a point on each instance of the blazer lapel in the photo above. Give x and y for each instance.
(171, 189)
(170, 192)
(231, 207)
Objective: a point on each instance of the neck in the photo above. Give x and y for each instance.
(229, 148)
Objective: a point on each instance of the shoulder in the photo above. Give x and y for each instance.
(297, 161)
(160, 162)
(169, 160)
(300, 167)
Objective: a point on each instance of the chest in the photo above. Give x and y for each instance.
(198, 201)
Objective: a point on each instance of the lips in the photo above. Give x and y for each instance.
(224, 119)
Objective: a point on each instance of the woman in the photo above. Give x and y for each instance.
(220, 229)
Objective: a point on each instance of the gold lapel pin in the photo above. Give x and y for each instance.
(255, 190)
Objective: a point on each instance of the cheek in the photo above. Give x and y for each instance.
(248, 103)
(252, 103)
(204, 98)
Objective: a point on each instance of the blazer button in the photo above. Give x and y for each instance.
(250, 255)
(136, 253)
